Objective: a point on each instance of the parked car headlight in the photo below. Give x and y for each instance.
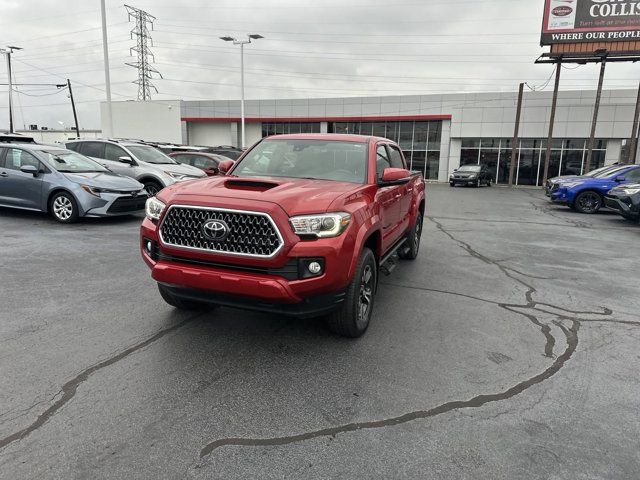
(570, 184)
(154, 208)
(91, 190)
(179, 177)
(322, 226)
(631, 191)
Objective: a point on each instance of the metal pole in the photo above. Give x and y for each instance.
(242, 88)
(73, 107)
(516, 131)
(552, 120)
(596, 109)
(107, 76)
(633, 148)
(8, 54)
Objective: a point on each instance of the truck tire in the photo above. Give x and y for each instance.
(353, 317)
(410, 250)
(180, 303)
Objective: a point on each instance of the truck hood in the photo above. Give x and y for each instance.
(105, 180)
(294, 196)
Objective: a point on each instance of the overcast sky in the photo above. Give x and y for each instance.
(312, 48)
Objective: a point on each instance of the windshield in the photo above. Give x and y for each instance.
(67, 161)
(469, 168)
(149, 154)
(602, 171)
(313, 159)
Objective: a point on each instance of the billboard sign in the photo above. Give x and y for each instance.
(579, 21)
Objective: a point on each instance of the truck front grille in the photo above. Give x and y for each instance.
(232, 232)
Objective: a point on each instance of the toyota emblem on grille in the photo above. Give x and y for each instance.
(216, 230)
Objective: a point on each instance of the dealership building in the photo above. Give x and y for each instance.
(438, 133)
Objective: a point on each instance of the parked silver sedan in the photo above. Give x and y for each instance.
(64, 183)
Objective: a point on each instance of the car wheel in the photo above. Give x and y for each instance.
(451, 184)
(152, 188)
(354, 316)
(489, 183)
(63, 207)
(413, 241)
(180, 303)
(588, 202)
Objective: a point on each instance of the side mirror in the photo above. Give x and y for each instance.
(127, 160)
(224, 167)
(394, 176)
(621, 178)
(29, 169)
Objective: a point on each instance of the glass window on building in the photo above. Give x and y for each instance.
(568, 157)
(419, 141)
(280, 128)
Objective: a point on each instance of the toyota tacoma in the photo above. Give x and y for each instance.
(300, 225)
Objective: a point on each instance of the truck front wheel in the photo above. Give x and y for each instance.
(353, 317)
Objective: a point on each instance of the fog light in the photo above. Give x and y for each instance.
(315, 268)
(148, 246)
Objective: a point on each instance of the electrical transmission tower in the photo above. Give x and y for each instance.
(143, 39)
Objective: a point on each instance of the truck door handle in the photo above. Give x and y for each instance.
(4, 174)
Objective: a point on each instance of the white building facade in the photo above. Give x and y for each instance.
(438, 133)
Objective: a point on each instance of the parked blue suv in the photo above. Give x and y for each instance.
(586, 194)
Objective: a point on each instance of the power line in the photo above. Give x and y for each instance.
(143, 38)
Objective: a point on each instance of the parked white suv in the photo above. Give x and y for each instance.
(133, 159)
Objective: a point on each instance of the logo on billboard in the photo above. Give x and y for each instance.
(562, 11)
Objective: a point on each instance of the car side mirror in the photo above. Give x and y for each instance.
(621, 178)
(394, 176)
(127, 160)
(224, 167)
(30, 169)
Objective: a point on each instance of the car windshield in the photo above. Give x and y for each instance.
(314, 159)
(67, 161)
(612, 171)
(149, 154)
(469, 168)
(598, 172)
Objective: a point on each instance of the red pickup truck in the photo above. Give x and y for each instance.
(300, 225)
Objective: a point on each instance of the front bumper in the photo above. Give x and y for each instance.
(624, 205)
(463, 181)
(111, 204)
(562, 196)
(279, 284)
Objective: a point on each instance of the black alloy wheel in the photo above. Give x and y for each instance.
(410, 250)
(588, 202)
(152, 188)
(352, 319)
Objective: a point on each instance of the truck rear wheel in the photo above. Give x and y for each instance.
(353, 317)
(410, 249)
(180, 303)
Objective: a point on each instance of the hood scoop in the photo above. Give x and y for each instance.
(250, 185)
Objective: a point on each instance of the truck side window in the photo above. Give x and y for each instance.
(396, 157)
(382, 160)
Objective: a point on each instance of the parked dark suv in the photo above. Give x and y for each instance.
(225, 150)
(476, 175)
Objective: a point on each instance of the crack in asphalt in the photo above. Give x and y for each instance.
(531, 305)
(70, 388)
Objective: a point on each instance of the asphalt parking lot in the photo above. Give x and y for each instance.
(509, 349)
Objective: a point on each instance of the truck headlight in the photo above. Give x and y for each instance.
(154, 208)
(322, 225)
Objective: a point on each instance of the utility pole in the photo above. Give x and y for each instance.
(552, 121)
(143, 39)
(7, 52)
(633, 147)
(73, 107)
(242, 43)
(107, 75)
(516, 133)
(596, 109)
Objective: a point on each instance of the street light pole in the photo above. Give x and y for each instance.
(107, 75)
(8, 51)
(242, 43)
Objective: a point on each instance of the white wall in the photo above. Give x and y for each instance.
(157, 121)
(59, 136)
(252, 133)
(210, 133)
